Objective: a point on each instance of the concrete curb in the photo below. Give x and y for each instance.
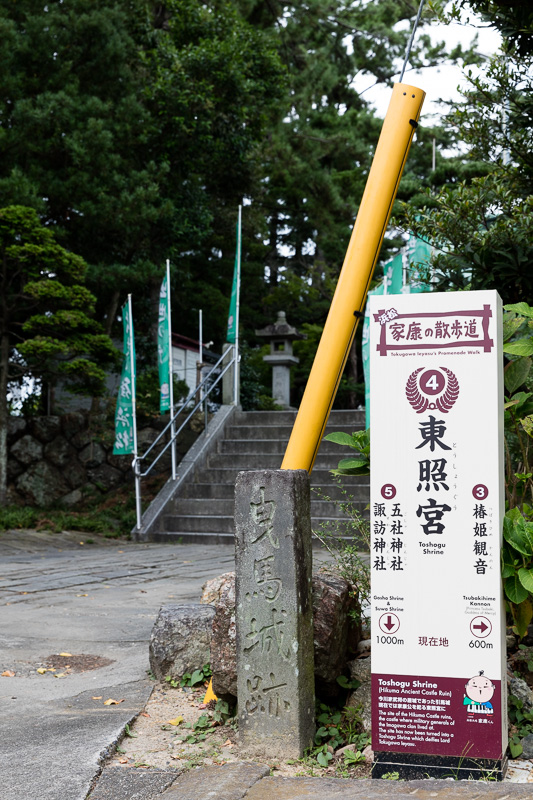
(253, 782)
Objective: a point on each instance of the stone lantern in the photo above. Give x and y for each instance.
(281, 336)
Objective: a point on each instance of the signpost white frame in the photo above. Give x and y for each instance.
(439, 705)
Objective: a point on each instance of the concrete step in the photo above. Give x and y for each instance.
(281, 432)
(272, 445)
(187, 537)
(260, 460)
(338, 417)
(225, 524)
(212, 506)
(359, 488)
(215, 507)
(354, 490)
(209, 489)
(319, 477)
(252, 446)
(323, 508)
(199, 514)
(269, 433)
(209, 537)
(244, 461)
(198, 524)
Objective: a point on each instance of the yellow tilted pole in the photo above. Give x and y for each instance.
(356, 274)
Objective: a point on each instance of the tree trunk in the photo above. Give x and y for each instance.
(111, 313)
(4, 360)
(352, 372)
(272, 257)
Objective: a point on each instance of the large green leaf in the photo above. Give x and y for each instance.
(523, 309)
(510, 326)
(526, 578)
(507, 561)
(515, 591)
(516, 373)
(338, 437)
(522, 347)
(352, 463)
(519, 535)
(520, 399)
(527, 424)
(522, 616)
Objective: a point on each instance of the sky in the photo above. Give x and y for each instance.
(441, 82)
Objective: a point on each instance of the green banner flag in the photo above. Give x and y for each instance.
(233, 316)
(125, 412)
(393, 273)
(163, 346)
(418, 254)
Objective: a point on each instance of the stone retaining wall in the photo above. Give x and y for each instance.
(62, 459)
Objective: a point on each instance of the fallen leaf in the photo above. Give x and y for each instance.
(112, 702)
(8, 673)
(144, 714)
(228, 743)
(59, 675)
(175, 757)
(82, 595)
(41, 670)
(66, 655)
(120, 551)
(82, 542)
(97, 698)
(123, 761)
(176, 721)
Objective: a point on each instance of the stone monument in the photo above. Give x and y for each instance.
(281, 336)
(275, 670)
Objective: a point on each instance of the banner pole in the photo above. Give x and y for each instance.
(171, 379)
(135, 464)
(237, 308)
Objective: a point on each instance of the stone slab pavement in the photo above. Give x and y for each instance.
(245, 781)
(100, 600)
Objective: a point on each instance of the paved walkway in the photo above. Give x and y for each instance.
(100, 600)
(58, 595)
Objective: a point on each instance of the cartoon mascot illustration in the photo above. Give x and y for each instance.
(478, 694)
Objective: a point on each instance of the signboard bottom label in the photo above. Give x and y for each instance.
(442, 716)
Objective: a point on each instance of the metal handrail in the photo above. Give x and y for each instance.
(197, 391)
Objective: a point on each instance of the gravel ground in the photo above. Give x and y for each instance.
(154, 740)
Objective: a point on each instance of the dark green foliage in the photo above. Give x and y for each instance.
(482, 227)
(513, 20)
(47, 328)
(46, 310)
(132, 128)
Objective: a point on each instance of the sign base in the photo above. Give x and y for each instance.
(418, 766)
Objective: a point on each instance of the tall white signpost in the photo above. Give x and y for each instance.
(438, 621)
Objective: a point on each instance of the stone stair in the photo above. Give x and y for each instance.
(202, 510)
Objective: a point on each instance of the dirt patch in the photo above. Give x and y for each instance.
(159, 739)
(76, 663)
